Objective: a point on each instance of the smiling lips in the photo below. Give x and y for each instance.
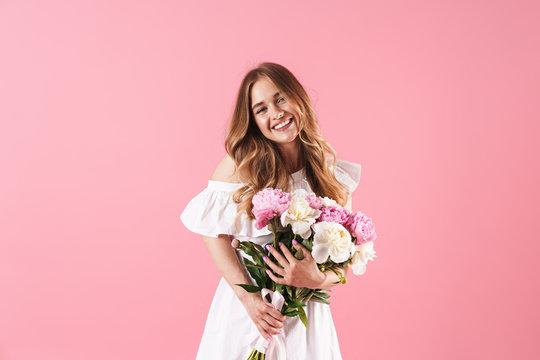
(283, 123)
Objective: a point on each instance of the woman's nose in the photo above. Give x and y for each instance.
(278, 114)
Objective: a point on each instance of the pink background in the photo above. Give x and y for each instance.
(113, 116)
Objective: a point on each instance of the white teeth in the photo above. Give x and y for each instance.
(279, 126)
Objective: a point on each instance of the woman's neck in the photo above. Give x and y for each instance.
(292, 154)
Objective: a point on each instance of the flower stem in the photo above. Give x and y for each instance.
(274, 232)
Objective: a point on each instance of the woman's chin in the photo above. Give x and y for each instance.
(285, 137)
(286, 141)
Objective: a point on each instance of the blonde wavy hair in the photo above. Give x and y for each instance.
(258, 160)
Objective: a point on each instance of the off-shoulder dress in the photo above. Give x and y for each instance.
(229, 333)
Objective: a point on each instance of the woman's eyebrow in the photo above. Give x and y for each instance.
(259, 103)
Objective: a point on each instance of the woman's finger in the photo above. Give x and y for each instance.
(273, 330)
(290, 257)
(273, 322)
(277, 269)
(263, 332)
(267, 327)
(235, 243)
(276, 279)
(282, 261)
(276, 314)
(270, 329)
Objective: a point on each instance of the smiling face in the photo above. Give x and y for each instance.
(274, 115)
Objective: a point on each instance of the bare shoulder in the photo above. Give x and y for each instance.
(225, 170)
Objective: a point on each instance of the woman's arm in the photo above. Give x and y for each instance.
(331, 279)
(226, 261)
(267, 319)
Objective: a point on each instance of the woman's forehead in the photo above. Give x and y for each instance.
(263, 90)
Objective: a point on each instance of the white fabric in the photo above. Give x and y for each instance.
(274, 348)
(229, 331)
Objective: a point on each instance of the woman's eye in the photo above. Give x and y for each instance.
(281, 98)
(261, 109)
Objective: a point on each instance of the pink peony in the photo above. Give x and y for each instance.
(335, 214)
(267, 204)
(314, 201)
(362, 227)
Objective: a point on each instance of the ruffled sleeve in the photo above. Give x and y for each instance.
(212, 212)
(348, 174)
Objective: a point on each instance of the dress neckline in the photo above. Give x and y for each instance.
(297, 175)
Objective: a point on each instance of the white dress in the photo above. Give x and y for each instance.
(229, 333)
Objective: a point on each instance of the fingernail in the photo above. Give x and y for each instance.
(295, 242)
(280, 243)
(268, 272)
(265, 258)
(268, 247)
(269, 339)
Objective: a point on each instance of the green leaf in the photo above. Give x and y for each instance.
(318, 299)
(308, 244)
(303, 316)
(321, 294)
(256, 272)
(250, 288)
(301, 292)
(256, 266)
(292, 313)
(259, 248)
(256, 275)
(289, 291)
(248, 262)
(269, 282)
(306, 298)
(250, 249)
(295, 303)
(246, 249)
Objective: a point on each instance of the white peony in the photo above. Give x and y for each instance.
(362, 254)
(299, 214)
(331, 240)
(326, 201)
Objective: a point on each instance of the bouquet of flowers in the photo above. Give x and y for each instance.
(335, 237)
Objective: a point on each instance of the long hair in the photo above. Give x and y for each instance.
(258, 159)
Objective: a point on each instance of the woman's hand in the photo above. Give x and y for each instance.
(294, 272)
(267, 319)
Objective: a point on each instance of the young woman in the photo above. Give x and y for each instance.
(273, 141)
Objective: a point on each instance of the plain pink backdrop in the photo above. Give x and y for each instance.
(113, 115)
